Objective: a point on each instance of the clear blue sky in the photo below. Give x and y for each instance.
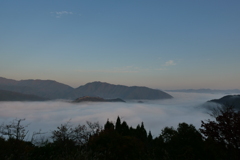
(161, 44)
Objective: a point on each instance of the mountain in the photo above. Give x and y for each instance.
(96, 99)
(43, 88)
(230, 91)
(50, 89)
(233, 100)
(15, 96)
(106, 90)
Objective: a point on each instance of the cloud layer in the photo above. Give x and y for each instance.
(156, 115)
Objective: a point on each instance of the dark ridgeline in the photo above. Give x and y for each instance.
(107, 90)
(43, 88)
(233, 100)
(96, 99)
(15, 96)
(54, 90)
(212, 91)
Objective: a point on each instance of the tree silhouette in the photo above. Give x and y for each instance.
(109, 126)
(185, 142)
(15, 130)
(224, 130)
(118, 125)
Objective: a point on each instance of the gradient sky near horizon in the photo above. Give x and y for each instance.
(177, 44)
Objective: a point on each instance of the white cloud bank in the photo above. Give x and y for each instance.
(155, 114)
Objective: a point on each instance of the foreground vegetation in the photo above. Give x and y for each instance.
(218, 139)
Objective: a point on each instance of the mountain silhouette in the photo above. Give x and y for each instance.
(50, 89)
(44, 88)
(96, 99)
(212, 91)
(232, 100)
(106, 90)
(15, 96)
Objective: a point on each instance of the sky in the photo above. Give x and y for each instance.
(155, 43)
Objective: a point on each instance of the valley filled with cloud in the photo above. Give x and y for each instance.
(156, 114)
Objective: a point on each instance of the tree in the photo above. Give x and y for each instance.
(223, 133)
(15, 146)
(78, 135)
(225, 129)
(185, 142)
(109, 126)
(124, 129)
(15, 130)
(167, 134)
(118, 143)
(63, 133)
(118, 125)
(150, 138)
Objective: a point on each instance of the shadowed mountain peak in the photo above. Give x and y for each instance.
(106, 90)
(15, 96)
(232, 100)
(50, 89)
(44, 88)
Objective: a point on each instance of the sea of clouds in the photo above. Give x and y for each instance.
(156, 114)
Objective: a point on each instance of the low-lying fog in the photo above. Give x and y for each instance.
(47, 116)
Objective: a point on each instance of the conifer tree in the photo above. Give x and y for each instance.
(118, 125)
(109, 126)
(150, 138)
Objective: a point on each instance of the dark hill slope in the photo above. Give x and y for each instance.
(228, 91)
(233, 100)
(43, 88)
(54, 90)
(5, 81)
(106, 90)
(15, 96)
(96, 99)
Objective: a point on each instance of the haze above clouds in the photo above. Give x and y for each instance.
(47, 116)
(159, 44)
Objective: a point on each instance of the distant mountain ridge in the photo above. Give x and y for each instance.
(15, 96)
(229, 91)
(106, 90)
(44, 88)
(54, 90)
(96, 99)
